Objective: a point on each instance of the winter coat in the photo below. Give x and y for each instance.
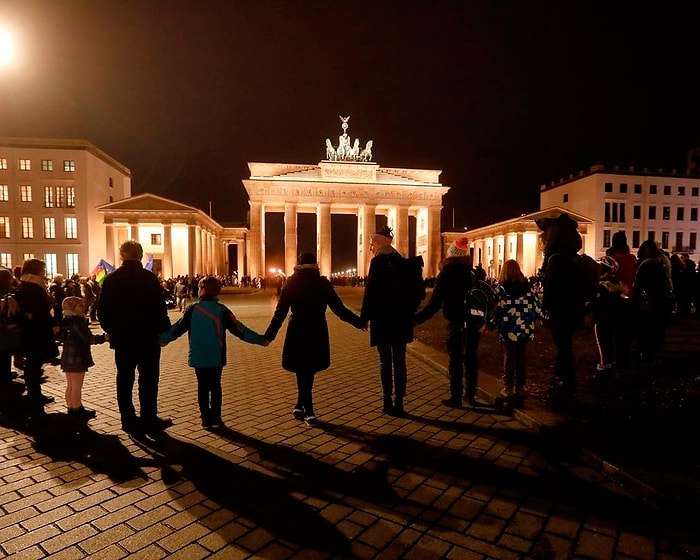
(76, 338)
(451, 287)
(37, 339)
(627, 269)
(58, 293)
(653, 292)
(390, 317)
(131, 309)
(564, 306)
(306, 344)
(206, 322)
(518, 308)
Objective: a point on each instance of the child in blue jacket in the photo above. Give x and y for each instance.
(517, 310)
(206, 321)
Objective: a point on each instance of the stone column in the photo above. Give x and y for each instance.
(256, 254)
(191, 250)
(434, 242)
(112, 250)
(519, 246)
(323, 238)
(167, 250)
(134, 230)
(290, 237)
(366, 224)
(401, 232)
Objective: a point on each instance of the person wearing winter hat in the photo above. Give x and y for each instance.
(76, 357)
(454, 280)
(390, 319)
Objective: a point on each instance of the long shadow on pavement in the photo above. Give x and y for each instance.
(267, 501)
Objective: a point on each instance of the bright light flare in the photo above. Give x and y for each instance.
(7, 47)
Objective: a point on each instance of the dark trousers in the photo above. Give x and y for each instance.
(463, 368)
(514, 365)
(33, 370)
(305, 387)
(147, 360)
(209, 392)
(5, 365)
(392, 368)
(564, 359)
(605, 340)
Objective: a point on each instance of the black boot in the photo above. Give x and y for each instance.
(398, 407)
(388, 406)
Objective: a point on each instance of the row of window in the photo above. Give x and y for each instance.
(54, 197)
(615, 213)
(653, 189)
(665, 240)
(46, 164)
(70, 227)
(51, 262)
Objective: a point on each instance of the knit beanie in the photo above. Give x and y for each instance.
(458, 248)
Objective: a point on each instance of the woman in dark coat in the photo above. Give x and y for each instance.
(306, 348)
(38, 329)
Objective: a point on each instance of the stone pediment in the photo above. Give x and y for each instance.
(147, 203)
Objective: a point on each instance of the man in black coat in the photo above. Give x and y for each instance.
(390, 318)
(133, 312)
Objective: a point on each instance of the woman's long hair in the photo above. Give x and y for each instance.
(510, 272)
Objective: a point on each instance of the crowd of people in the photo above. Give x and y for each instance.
(635, 296)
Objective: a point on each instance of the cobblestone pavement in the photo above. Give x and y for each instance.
(440, 483)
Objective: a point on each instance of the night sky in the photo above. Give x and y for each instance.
(501, 96)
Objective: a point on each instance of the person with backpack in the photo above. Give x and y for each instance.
(451, 293)
(518, 309)
(561, 297)
(389, 310)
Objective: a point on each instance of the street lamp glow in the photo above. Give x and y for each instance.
(7, 47)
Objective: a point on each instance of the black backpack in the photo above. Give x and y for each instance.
(409, 280)
(479, 302)
(10, 322)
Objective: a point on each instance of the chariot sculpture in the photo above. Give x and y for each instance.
(345, 151)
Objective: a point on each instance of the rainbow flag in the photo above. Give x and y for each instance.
(101, 271)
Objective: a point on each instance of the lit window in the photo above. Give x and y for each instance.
(48, 197)
(27, 256)
(681, 191)
(70, 197)
(3, 163)
(666, 213)
(4, 226)
(71, 228)
(4, 193)
(69, 165)
(47, 165)
(25, 193)
(60, 196)
(49, 228)
(25, 165)
(50, 260)
(156, 239)
(6, 260)
(72, 264)
(27, 228)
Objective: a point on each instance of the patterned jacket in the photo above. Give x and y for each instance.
(517, 311)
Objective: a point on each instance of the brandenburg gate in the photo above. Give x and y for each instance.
(346, 182)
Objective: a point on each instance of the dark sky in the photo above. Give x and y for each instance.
(501, 96)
